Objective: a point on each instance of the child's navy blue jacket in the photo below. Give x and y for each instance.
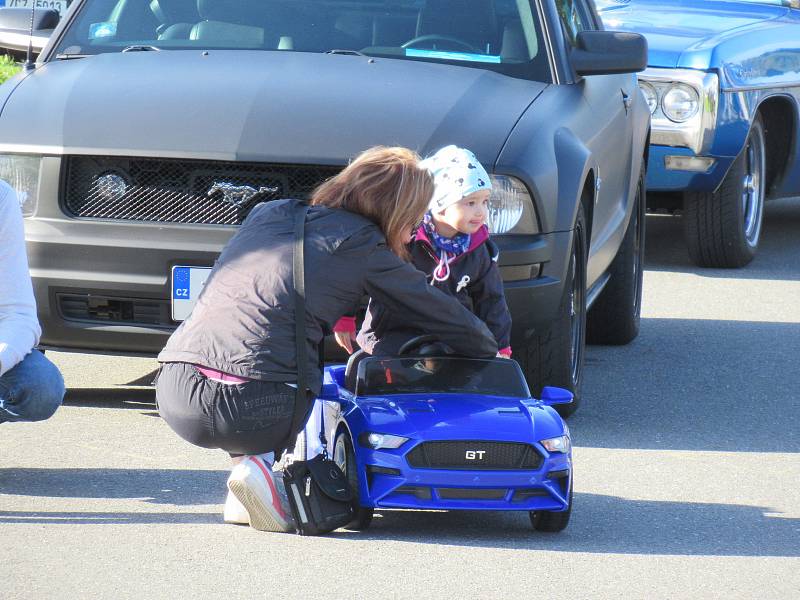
(474, 280)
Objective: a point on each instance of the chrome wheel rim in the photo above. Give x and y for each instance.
(340, 456)
(753, 187)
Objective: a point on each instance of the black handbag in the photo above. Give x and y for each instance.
(319, 494)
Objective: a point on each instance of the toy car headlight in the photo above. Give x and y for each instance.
(22, 174)
(379, 441)
(511, 207)
(680, 103)
(557, 444)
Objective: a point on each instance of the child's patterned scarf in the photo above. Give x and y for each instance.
(455, 245)
(448, 249)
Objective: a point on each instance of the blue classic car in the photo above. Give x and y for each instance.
(723, 85)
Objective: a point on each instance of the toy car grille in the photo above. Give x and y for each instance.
(474, 455)
(181, 191)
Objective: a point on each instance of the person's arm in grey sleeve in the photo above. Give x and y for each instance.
(402, 289)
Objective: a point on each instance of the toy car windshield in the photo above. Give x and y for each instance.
(440, 375)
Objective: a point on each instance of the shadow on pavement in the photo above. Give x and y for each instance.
(776, 258)
(109, 518)
(604, 525)
(111, 398)
(727, 402)
(183, 487)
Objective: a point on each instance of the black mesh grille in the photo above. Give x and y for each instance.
(181, 191)
(474, 455)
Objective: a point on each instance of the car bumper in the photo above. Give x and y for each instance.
(662, 179)
(105, 286)
(543, 489)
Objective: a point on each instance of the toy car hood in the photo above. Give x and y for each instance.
(459, 416)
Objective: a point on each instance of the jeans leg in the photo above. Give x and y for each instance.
(32, 390)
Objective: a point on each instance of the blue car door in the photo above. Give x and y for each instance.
(609, 98)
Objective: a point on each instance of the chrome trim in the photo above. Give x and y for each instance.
(548, 41)
(763, 86)
(696, 133)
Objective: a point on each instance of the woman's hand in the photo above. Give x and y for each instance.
(345, 339)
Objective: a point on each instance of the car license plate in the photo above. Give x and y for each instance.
(59, 5)
(187, 283)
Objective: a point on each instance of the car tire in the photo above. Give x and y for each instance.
(344, 456)
(615, 316)
(550, 521)
(723, 228)
(554, 356)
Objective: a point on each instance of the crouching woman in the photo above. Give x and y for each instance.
(229, 373)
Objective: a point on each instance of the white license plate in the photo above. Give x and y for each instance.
(59, 5)
(187, 283)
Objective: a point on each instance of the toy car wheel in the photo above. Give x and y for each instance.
(723, 228)
(614, 317)
(344, 457)
(554, 356)
(551, 521)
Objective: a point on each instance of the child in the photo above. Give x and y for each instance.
(452, 247)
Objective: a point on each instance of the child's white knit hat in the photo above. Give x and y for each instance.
(456, 173)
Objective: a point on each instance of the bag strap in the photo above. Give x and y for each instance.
(298, 269)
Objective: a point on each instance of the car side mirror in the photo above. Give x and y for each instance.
(609, 52)
(15, 28)
(555, 395)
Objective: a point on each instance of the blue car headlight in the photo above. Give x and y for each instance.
(379, 441)
(557, 444)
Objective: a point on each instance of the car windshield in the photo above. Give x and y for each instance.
(440, 375)
(502, 35)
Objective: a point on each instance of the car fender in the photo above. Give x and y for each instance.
(544, 151)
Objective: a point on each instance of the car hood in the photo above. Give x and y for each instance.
(678, 31)
(260, 106)
(457, 416)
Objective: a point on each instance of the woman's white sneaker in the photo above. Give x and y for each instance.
(253, 483)
(234, 511)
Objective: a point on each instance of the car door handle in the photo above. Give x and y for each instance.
(626, 101)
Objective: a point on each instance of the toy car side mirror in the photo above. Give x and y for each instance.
(330, 391)
(555, 395)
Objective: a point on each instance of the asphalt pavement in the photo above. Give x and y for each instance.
(687, 465)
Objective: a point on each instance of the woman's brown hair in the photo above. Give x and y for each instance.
(385, 185)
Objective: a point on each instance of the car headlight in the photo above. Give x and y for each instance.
(557, 444)
(680, 103)
(511, 207)
(378, 441)
(21, 172)
(650, 94)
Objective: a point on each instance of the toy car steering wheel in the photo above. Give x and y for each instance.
(415, 343)
(435, 37)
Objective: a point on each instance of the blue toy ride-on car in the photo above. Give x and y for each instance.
(421, 431)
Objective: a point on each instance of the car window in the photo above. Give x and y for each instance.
(502, 35)
(440, 375)
(574, 18)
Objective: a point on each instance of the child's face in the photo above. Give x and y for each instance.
(465, 216)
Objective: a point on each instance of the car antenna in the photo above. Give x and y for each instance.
(29, 64)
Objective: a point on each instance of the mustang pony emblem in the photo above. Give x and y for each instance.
(237, 195)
